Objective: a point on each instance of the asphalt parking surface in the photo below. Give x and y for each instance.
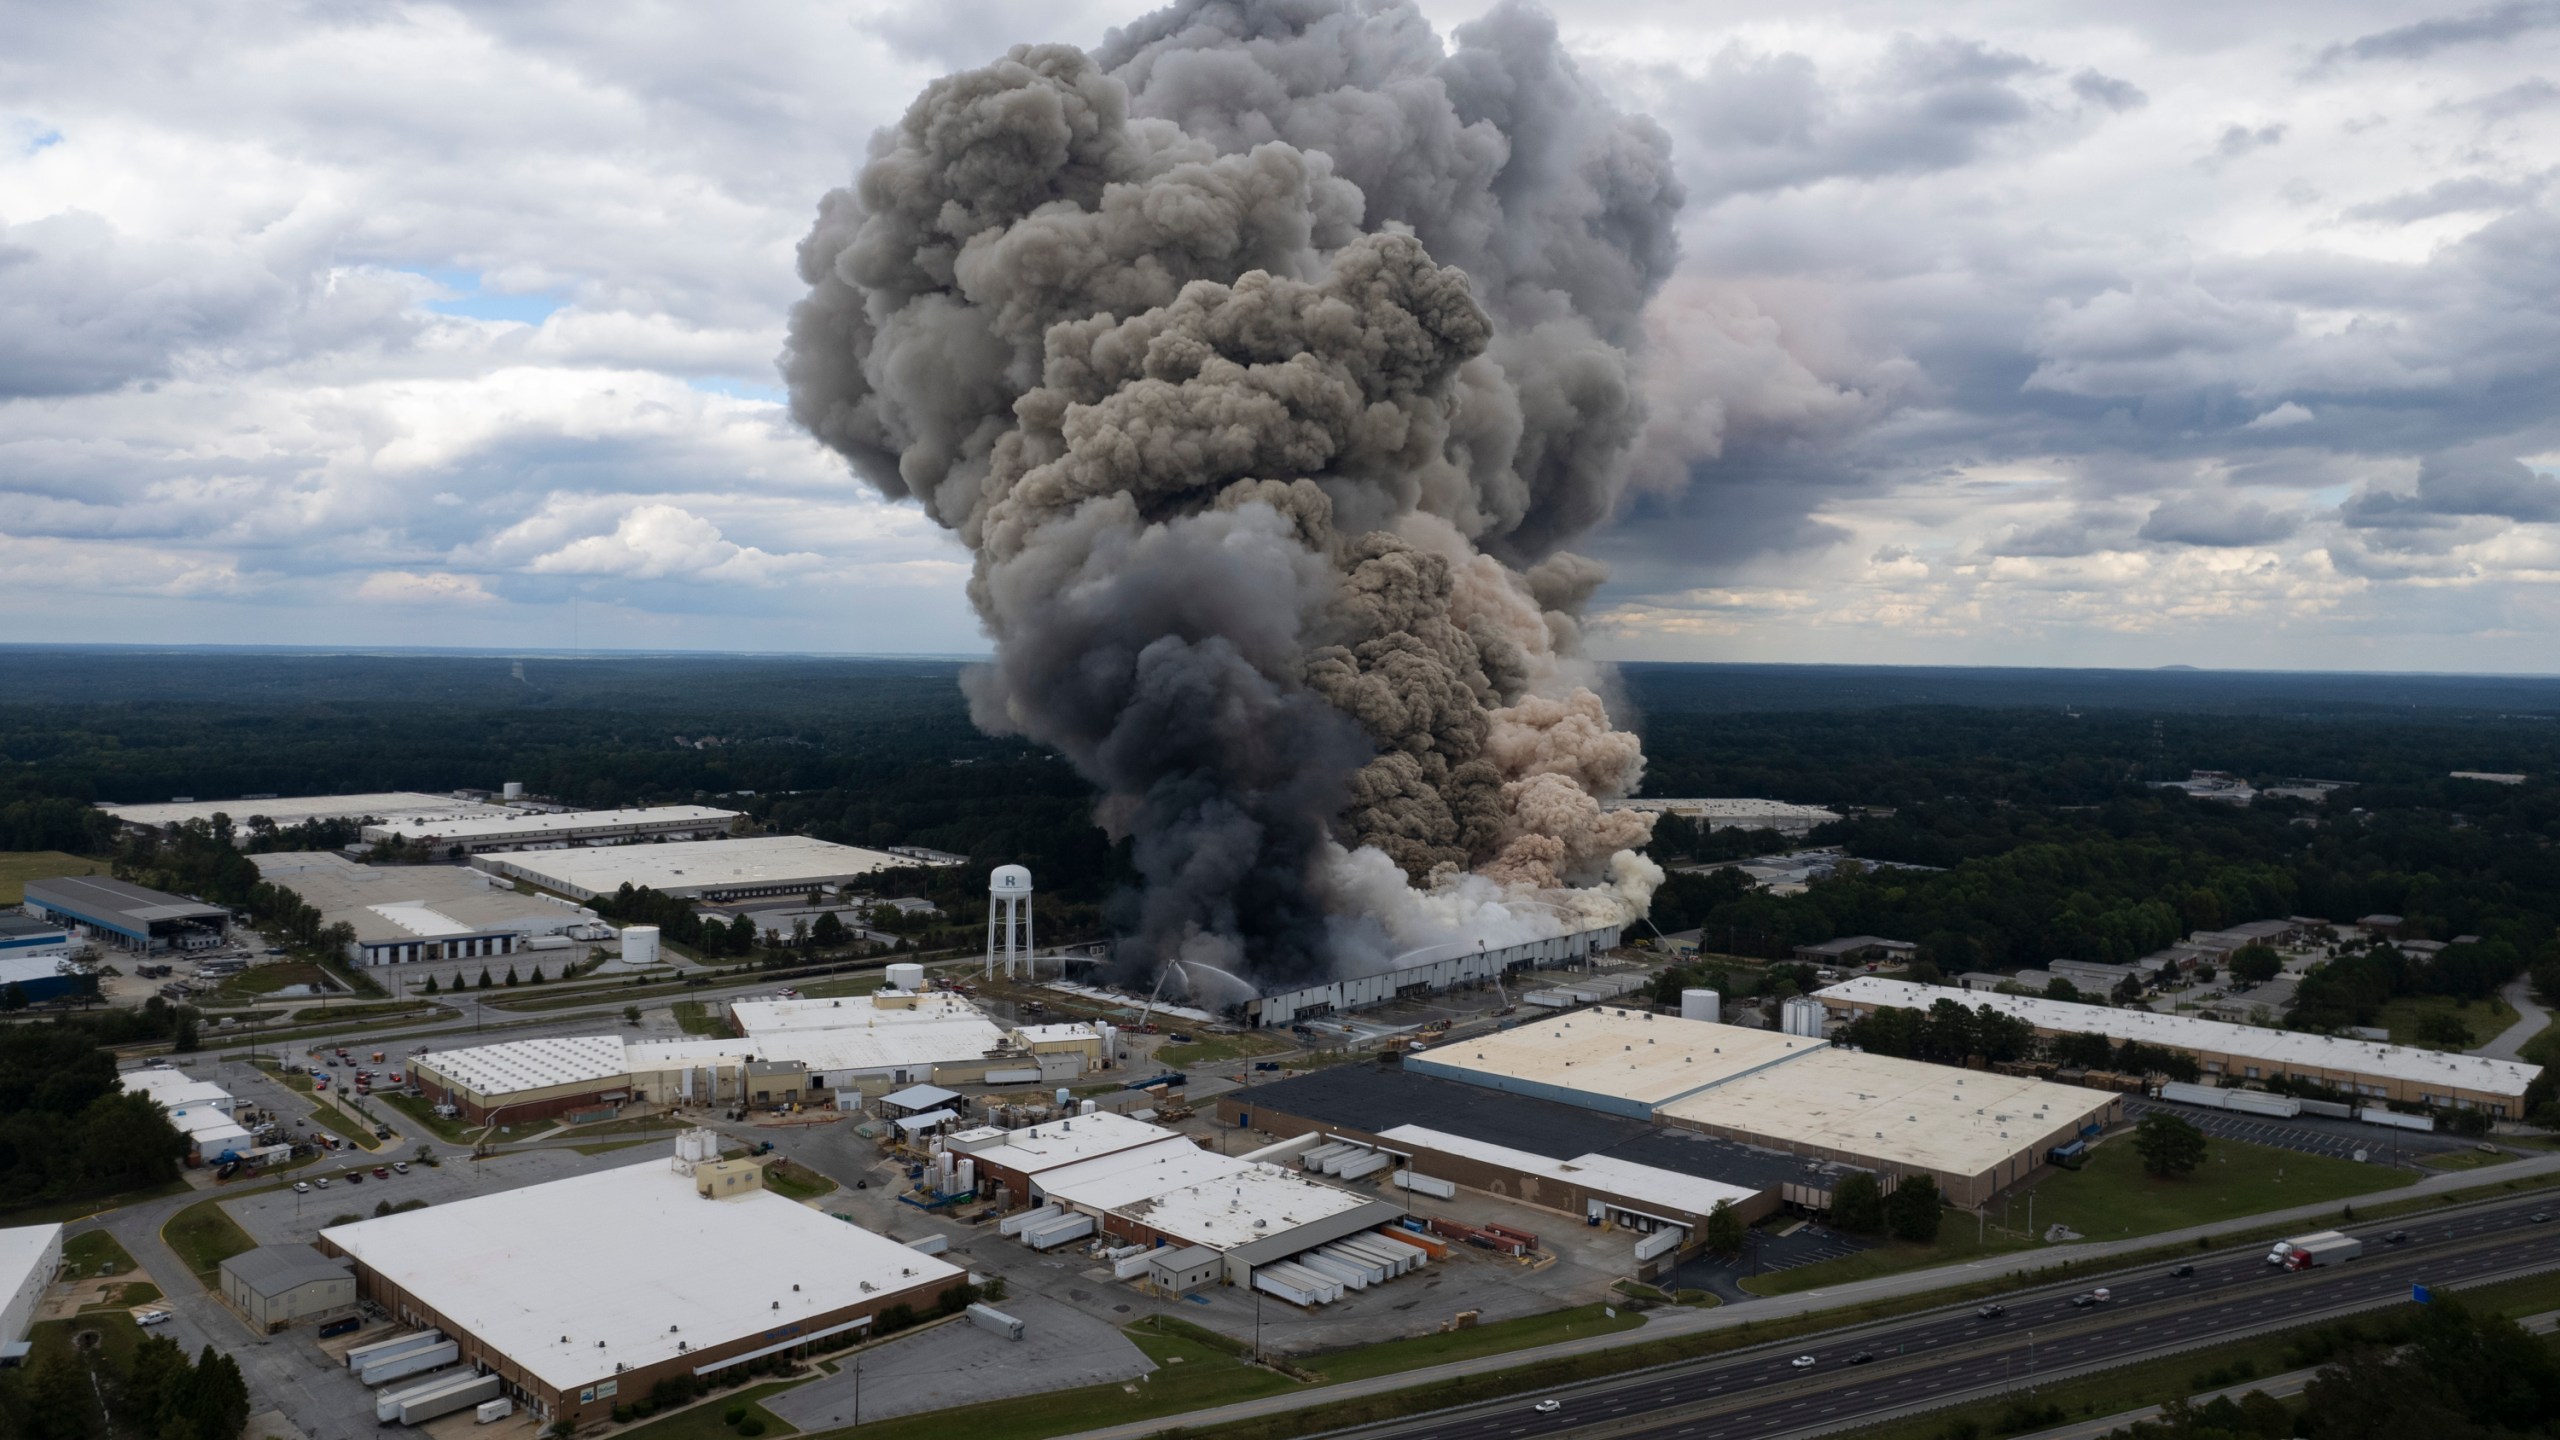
(2311, 1135)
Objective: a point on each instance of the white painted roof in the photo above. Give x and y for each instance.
(544, 825)
(690, 867)
(651, 1054)
(1051, 1034)
(1038, 1149)
(848, 1012)
(19, 969)
(1108, 1182)
(514, 1065)
(1608, 1050)
(1258, 1202)
(25, 1249)
(408, 806)
(2290, 1050)
(611, 1260)
(1900, 1112)
(174, 1089)
(1639, 1184)
(852, 1033)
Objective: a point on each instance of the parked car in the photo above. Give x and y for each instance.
(151, 1317)
(381, 1132)
(400, 1165)
(301, 1187)
(322, 1182)
(381, 1173)
(353, 1177)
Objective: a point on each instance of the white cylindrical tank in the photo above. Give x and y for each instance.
(1063, 1097)
(640, 945)
(514, 790)
(1701, 1005)
(906, 976)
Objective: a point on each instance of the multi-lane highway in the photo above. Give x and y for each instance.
(1764, 1394)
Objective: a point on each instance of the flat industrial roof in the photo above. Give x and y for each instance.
(389, 805)
(692, 867)
(1257, 1203)
(388, 903)
(840, 1012)
(1626, 1054)
(2290, 1049)
(544, 825)
(23, 1248)
(513, 1065)
(1113, 1182)
(273, 1269)
(1727, 808)
(650, 1054)
(173, 1088)
(19, 969)
(1931, 1117)
(1041, 1148)
(854, 1033)
(615, 1259)
(104, 897)
(1625, 1179)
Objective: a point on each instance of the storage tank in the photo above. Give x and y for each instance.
(513, 790)
(906, 975)
(640, 945)
(1702, 1005)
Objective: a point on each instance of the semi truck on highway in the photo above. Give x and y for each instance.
(2323, 1247)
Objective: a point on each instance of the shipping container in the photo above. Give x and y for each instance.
(1341, 1272)
(416, 1362)
(1437, 1189)
(995, 1322)
(929, 1244)
(463, 1392)
(1015, 1224)
(1660, 1242)
(366, 1354)
(2376, 1115)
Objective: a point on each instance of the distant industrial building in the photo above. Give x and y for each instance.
(2220, 786)
(585, 1293)
(750, 868)
(30, 1256)
(522, 1080)
(276, 1285)
(1858, 949)
(1729, 814)
(204, 1112)
(408, 913)
(23, 937)
(44, 979)
(2490, 777)
(890, 1037)
(401, 808)
(2232, 1052)
(1974, 1134)
(1433, 968)
(128, 917)
(522, 830)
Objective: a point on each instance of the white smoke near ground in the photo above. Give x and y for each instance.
(1266, 359)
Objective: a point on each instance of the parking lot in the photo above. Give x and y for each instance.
(2310, 1134)
(1764, 1252)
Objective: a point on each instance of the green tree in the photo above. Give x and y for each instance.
(1914, 1210)
(61, 1403)
(2256, 964)
(1724, 1230)
(630, 1014)
(1857, 1204)
(537, 977)
(429, 988)
(183, 1040)
(2061, 989)
(457, 981)
(828, 931)
(511, 977)
(2170, 1147)
(742, 935)
(485, 982)
(13, 997)
(2444, 1030)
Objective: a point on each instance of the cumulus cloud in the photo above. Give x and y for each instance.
(2446, 197)
(2476, 482)
(2282, 417)
(657, 542)
(411, 587)
(2218, 520)
(2239, 140)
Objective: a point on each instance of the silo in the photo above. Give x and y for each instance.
(906, 976)
(639, 944)
(1701, 1005)
(514, 790)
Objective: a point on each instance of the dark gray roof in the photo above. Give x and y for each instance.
(12, 923)
(276, 1269)
(1371, 1099)
(102, 895)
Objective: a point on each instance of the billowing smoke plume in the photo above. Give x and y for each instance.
(1266, 359)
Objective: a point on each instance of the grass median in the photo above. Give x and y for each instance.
(204, 1235)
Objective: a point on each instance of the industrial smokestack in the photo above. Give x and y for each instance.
(1266, 359)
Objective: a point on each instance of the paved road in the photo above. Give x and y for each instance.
(1685, 1322)
(1784, 1390)
(2530, 1018)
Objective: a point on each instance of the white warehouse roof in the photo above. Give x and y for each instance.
(617, 1260)
(534, 827)
(514, 1065)
(174, 1089)
(407, 807)
(1258, 1202)
(1110, 1182)
(1044, 1147)
(1625, 1179)
(2289, 1049)
(768, 864)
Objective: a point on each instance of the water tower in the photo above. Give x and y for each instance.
(1008, 916)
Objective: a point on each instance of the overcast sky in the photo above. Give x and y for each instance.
(2207, 334)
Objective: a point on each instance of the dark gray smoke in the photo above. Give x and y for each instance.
(1265, 358)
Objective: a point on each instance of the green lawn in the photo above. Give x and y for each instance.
(1493, 1339)
(695, 1018)
(353, 1130)
(268, 979)
(2482, 1020)
(703, 1422)
(204, 1237)
(95, 1252)
(418, 1112)
(796, 1182)
(17, 867)
(2110, 1199)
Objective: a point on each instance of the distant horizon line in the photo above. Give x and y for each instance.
(471, 652)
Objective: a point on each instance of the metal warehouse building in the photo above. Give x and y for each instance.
(128, 917)
(519, 1080)
(405, 808)
(521, 830)
(711, 870)
(23, 937)
(2232, 1052)
(274, 1286)
(1974, 1133)
(29, 1257)
(43, 978)
(408, 913)
(1437, 967)
(584, 1293)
